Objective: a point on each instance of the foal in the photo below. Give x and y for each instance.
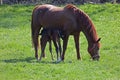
(48, 35)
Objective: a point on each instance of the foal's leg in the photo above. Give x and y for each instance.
(65, 41)
(59, 45)
(50, 49)
(56, 47)
(76, 39)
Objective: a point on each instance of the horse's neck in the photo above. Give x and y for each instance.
(89, 31)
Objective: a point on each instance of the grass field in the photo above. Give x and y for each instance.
(17, 60)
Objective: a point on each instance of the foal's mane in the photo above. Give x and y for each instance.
(84, 22)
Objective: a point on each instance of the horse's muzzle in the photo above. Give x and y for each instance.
(96, 57)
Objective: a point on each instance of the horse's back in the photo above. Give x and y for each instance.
(53, 16)
(58, 16)
(45, 6)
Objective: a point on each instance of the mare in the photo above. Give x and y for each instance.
(71, 21)
(48, 35)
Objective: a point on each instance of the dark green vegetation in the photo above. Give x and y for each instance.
(17, 60)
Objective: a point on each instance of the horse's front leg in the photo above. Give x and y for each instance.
(76, 39)
(65, 41)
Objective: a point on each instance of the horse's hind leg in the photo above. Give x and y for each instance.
(35, 40)
(76, 39)
(43, 43)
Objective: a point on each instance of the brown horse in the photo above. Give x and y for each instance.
(71, 21)
(48, 35)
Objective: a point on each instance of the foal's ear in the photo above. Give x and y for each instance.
(98, 40)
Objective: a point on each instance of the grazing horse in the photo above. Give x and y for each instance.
(71, 21)
(48, 35)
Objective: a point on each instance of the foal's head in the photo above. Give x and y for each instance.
(49, 34)
(94, 50)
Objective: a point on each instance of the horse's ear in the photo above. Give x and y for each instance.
(98, 40)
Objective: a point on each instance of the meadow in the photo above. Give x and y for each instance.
(17, 61)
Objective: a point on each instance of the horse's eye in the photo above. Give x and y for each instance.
(96, 50)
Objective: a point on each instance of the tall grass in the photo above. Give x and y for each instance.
(17, 60)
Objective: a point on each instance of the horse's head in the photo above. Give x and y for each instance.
(94, 50)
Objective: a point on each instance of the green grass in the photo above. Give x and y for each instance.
(17, 60)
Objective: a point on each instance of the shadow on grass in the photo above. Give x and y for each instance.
(30, 60)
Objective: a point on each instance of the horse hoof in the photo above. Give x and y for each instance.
(79, 59)
(59, 60)
(36, 56)
(38, 59)
(43, 55)
(62, 58)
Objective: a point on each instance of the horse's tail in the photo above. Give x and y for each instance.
(35, 28)
(32, 32)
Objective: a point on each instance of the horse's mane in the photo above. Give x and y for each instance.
(70, 6)
(87, 25)
(85, 22)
